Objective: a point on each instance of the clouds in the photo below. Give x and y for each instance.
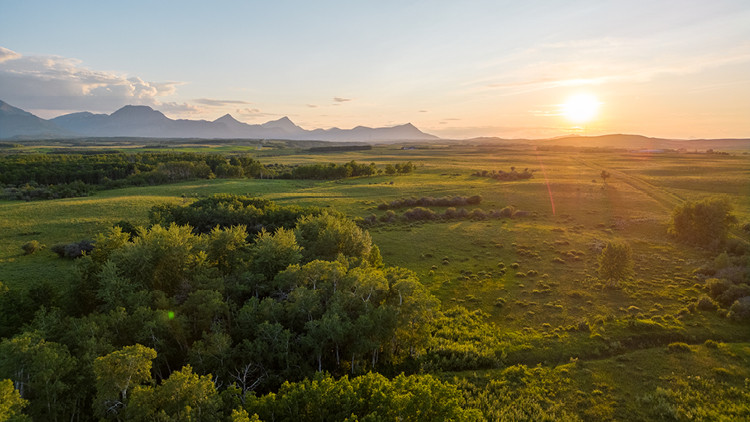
(6, 54)
(219, 103)
(60, 83)
(341, 99)
(591, 62)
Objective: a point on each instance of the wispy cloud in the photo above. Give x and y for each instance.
(312, 105)
(599, 62)
(219, 103)
(341, 99)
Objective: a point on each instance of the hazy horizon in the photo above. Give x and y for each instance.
(455, 70)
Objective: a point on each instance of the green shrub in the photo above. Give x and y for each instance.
(703, 223)
(31, 247)
(740, 310)
(705, 303)
(73, 250)
(711, 344)
(616, 261)
(734, 292)
(678, 347)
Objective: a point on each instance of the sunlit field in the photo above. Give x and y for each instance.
(532, 277)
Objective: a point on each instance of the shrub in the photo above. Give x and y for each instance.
(419, 214)
(31, 247)
(474, 200)
(616, 261)
(733, 293)
(740, 310)
(706, 304)
(388, 217)
(507, 212)
(678, 347)
(73, 250)
(477, 214)
(717, 286)
(705, 223)
(711, 344)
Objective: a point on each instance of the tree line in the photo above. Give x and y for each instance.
(51, 176)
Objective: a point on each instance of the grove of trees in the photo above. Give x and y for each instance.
(174, 322)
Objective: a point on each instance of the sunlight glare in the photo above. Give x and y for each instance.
(581, 108)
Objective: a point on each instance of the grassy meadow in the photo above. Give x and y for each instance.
(550, 256)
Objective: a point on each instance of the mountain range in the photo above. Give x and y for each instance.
(144, 121)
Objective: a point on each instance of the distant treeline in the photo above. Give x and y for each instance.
(429, 201)
(51, 176)
(506, 176)
(340, 171)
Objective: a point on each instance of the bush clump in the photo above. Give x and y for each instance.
(706, 304)
(703, 223)
(678, 347)
(429, 201)
(616, 261)
(419, 214)
(73, 250)
(740, 310)
(31, 247)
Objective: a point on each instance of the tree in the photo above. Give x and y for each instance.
(616, 261)
(183, 396)
(41, 372)
(326, 236)
(274, 252)
(116, 373)
(227, 248)
(11, 403)
(703, 223)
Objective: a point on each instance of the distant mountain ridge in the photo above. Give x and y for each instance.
(144, 121)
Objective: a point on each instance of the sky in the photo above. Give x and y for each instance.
(672, 69)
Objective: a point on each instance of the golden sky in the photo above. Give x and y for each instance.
(675, 69)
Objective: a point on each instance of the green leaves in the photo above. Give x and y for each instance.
(367, 397)
(11, 403)
(703, 223)
(116, 374)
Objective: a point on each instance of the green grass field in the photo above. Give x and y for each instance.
(573, 213)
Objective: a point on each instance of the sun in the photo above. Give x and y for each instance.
(580, 108)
